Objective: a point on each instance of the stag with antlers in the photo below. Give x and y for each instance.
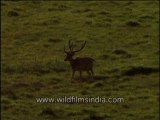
(80, 63)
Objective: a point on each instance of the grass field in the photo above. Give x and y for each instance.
(123, 38)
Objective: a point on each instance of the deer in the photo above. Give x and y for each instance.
(80, 63)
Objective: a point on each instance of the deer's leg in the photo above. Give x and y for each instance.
(89, 74)
(73, 72)
(92, 72)
(80, 73)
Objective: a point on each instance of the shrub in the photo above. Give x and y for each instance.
(139, 70)
(13, 14)
(48, 111)
(132, 23)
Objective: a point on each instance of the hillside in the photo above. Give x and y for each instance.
(123, 38)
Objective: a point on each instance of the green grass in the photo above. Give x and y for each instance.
(123, 38)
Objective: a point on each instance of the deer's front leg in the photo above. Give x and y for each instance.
(80, 74)
(73, 72)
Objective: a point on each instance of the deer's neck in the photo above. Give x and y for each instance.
(72, 61)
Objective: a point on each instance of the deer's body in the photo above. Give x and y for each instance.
(80, 63)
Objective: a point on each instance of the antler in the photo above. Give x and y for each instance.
(70, 45)
(81, 47)
(65, 49)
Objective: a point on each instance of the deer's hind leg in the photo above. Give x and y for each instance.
(73, 72)
(89, 74)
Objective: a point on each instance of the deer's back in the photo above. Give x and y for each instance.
(85, 63)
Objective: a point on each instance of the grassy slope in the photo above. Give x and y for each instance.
(33, 66)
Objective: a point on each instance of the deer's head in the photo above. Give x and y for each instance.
(72, 52)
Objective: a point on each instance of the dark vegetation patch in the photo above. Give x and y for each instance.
(91, 15)
(133, 24)
(54, 40)
(49, 111)
(105, 56)
(157, 52)
(55, 21)
(143, 97)
(119, 52)
(100, 77)
(6, 107)
(82, 10)
(46, 45)
(6, 103)
(87, 10)
(88, 111)
(37, 85)
(13, 14)
(83, 92)
(76, 11)
(97, 117)
(88, 23)
(108, 20)
(130, 114)
(139, 42)
(122, 53)
(3, 4)
(129, 9)
(58, 8)
(92, 115)
(126, 106)
(139, 70)
(8, 69)
(36, 2)
(129, 3)
(146, 36)
(73, 113)
(114, 2)
(10, 93)
(104, 13)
